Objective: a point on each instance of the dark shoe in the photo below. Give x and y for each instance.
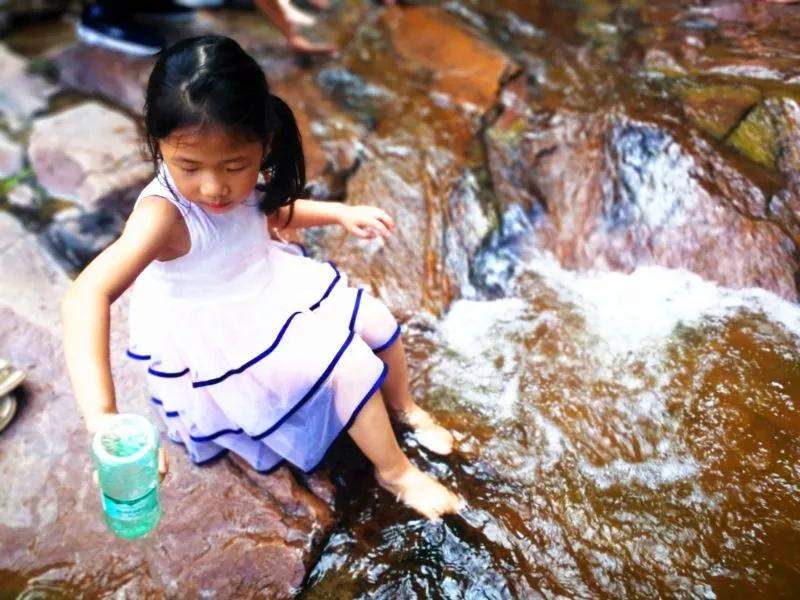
(100, 26)
(155, 10)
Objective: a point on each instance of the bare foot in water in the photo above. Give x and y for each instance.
(300, 44)
(422, 493)
(429, 434)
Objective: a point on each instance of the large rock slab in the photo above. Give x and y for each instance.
(417, 159)
(464, 66)
(118, 77)
(608, 191)
(224, 526)
(23, 95)
(72, 165)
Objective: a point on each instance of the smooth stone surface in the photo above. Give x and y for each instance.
(87, 169)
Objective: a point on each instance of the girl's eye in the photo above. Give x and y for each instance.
(185, 170)
(236, 170)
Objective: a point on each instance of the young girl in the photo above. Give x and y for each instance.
(248, 345)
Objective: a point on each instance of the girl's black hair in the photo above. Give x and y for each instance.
(211, 81)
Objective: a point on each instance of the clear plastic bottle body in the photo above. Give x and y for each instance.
(125, 452)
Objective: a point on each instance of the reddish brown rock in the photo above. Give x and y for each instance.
(465, 67)
(224, 527)
(612, 192)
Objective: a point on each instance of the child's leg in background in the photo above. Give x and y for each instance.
(373, 434)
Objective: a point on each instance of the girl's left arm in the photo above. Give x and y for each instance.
(359, 220)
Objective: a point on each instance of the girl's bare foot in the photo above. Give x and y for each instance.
(421, 492)
(429, 434)
(300, 44)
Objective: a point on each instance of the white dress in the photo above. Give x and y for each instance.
(251, 346)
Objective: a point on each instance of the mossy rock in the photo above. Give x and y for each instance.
(757, 137)
(717, 109)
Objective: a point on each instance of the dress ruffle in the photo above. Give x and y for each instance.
(273, 377)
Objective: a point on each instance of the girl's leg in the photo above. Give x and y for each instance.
(373, 434)
(399, 401)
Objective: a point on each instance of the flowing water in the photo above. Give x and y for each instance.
(620, 436)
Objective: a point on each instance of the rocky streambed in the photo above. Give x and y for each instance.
(596, 260)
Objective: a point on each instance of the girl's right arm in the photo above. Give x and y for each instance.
(86, 306)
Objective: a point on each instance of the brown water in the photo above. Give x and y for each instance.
(620, 435)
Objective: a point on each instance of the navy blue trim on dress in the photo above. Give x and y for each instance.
(391, 341)
(252, 361)
(355, 309)
(167, 375)
(169, 413)
(378, 383)
(302, 248)
(311, 391)
(272, 469)
(207, 461)
(315, 306)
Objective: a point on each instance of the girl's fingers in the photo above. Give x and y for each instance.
(384, 218)
(163, 464)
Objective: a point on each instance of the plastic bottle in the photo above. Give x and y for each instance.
(125, 451)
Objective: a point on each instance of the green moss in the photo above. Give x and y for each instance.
(757, 137)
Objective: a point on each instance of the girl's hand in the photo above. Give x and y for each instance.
(366, 221)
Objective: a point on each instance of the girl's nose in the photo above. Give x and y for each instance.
(213, 189)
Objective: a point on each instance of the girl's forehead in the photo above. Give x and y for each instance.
(207, 141)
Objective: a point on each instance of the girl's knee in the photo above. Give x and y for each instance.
(374, 322)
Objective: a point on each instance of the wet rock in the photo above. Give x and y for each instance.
(467, 69)
(717, 109)
(769, 135)
(76, 237)
(353, 92)
(611, 192)
(425, 263)
(10, 156)
(87, 169)
(24, 94)
(94, 70)
(257, 533)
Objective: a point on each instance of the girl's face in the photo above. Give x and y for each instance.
(212, 168)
